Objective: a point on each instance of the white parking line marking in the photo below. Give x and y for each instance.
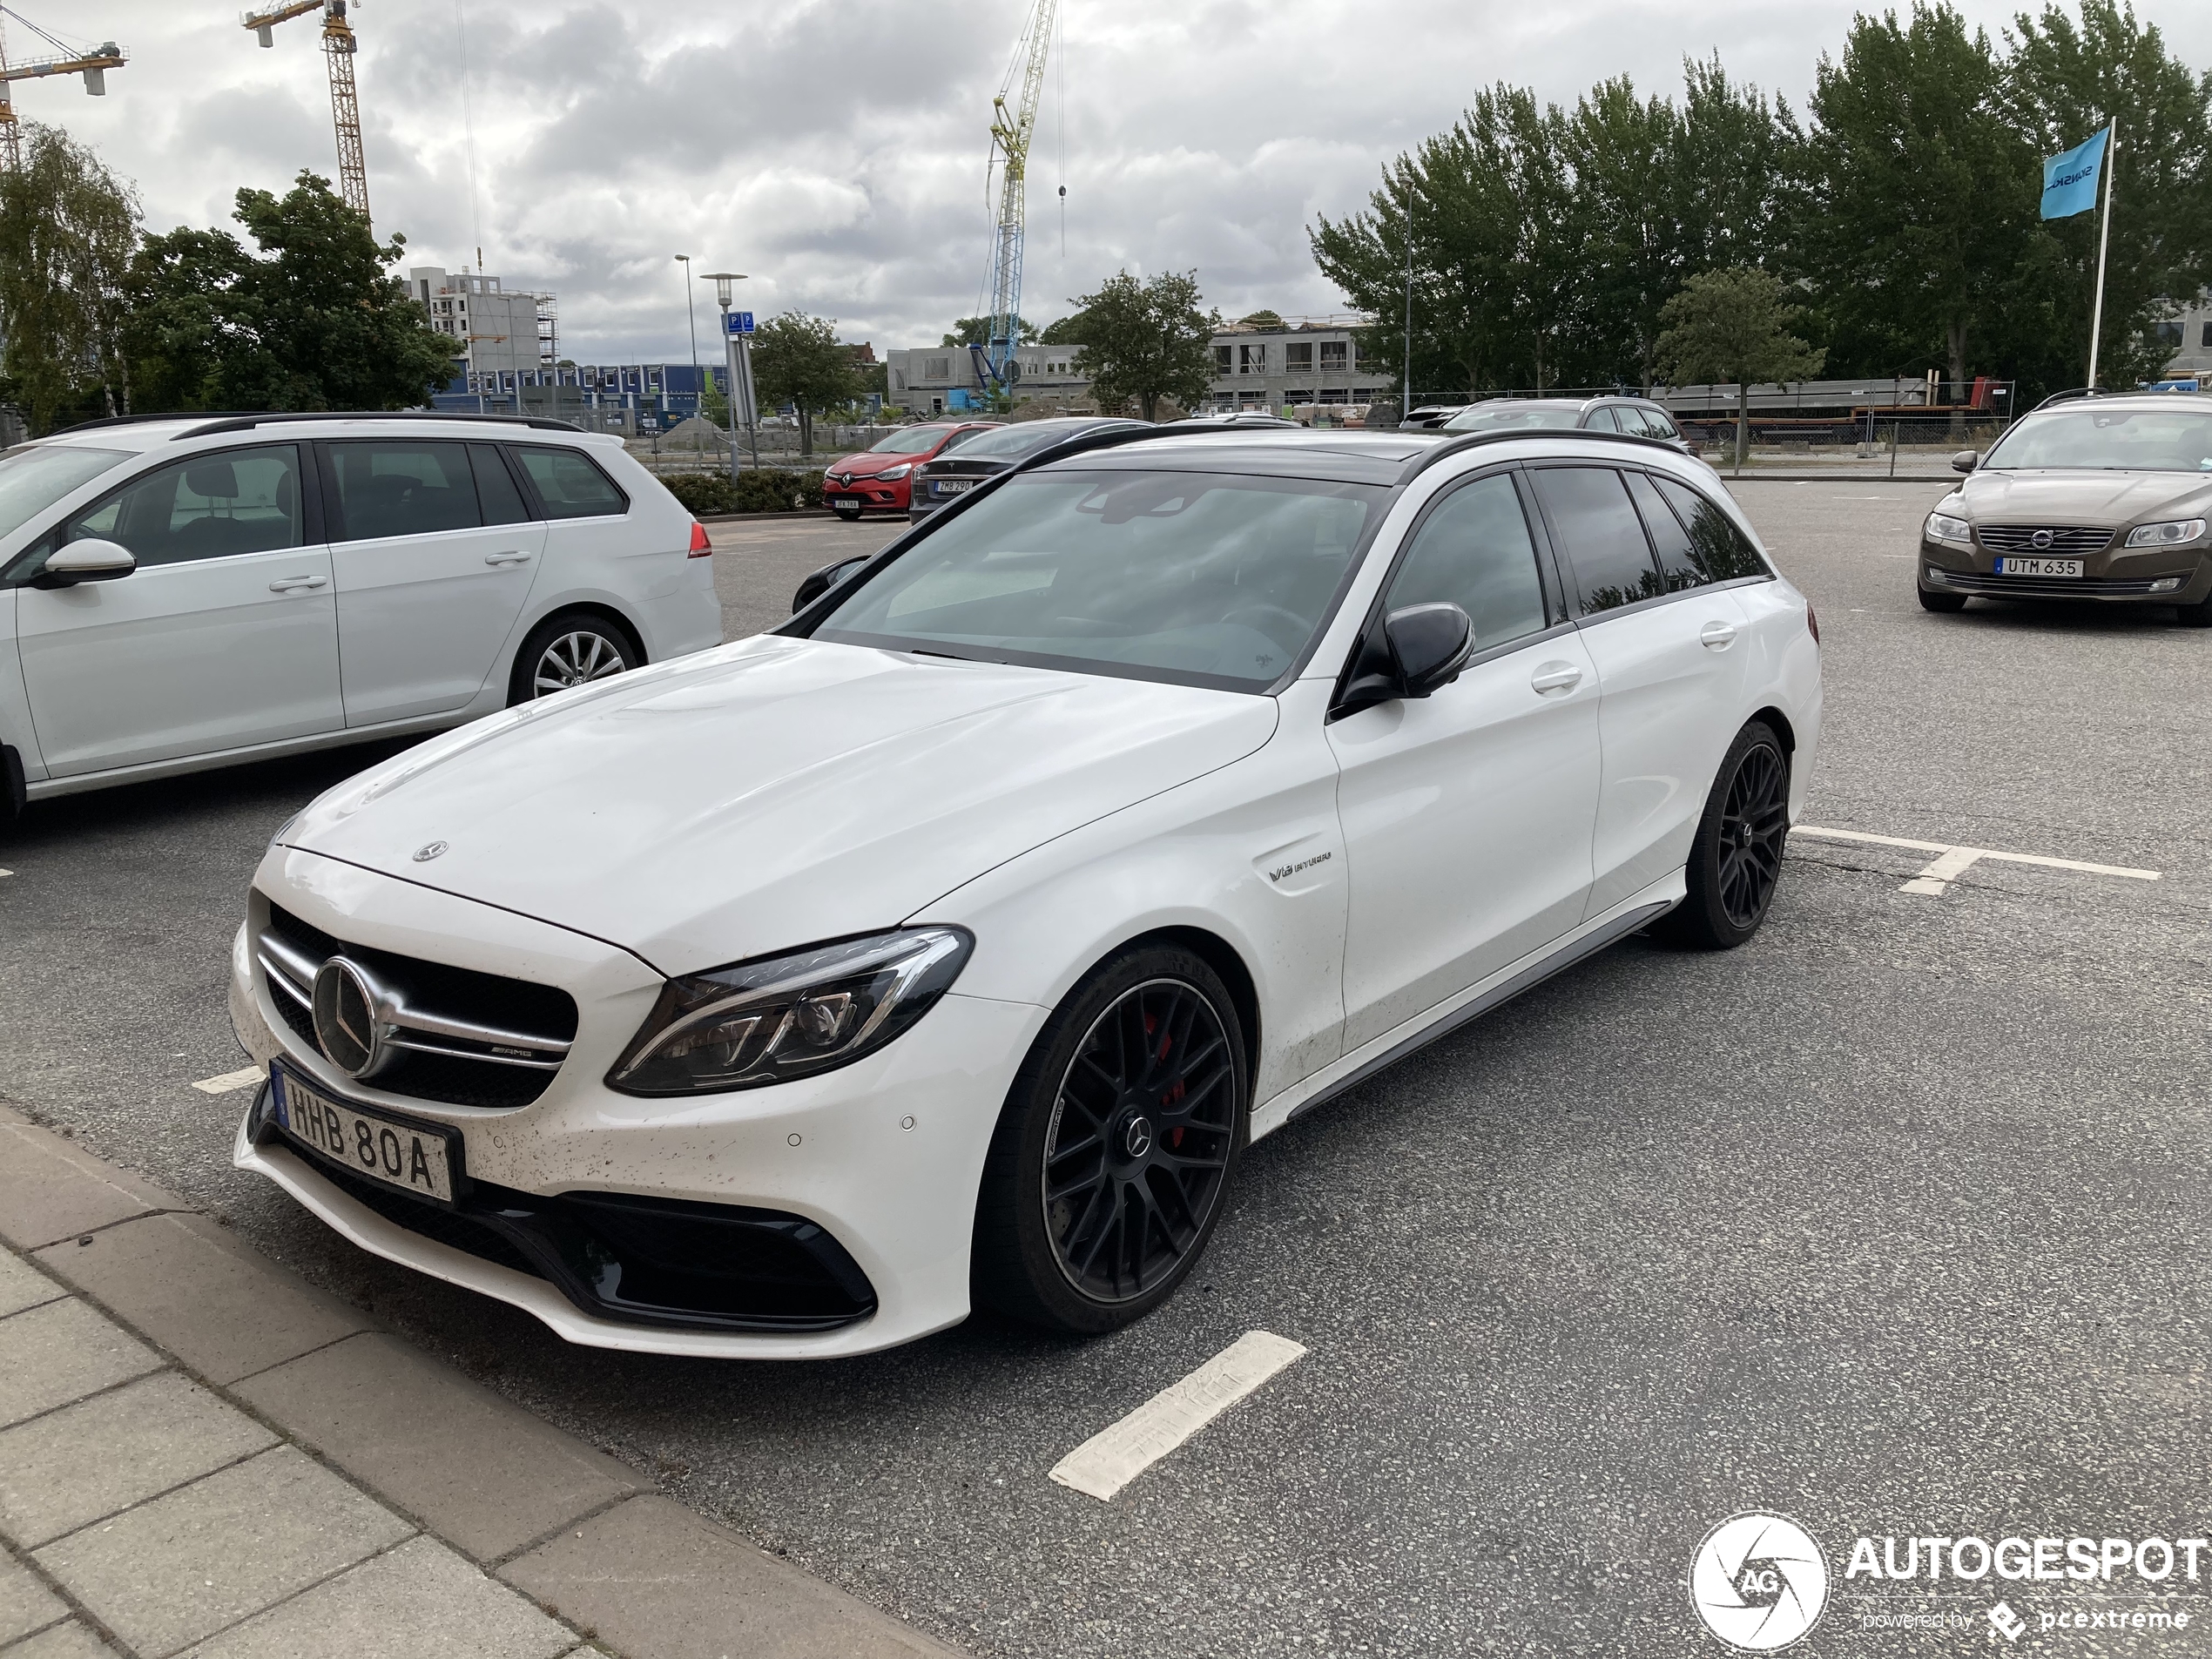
(1955, 861)
(7, 872)
(1111, 1458)
(228, 1080)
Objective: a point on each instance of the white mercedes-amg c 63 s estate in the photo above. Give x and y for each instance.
(948, 946)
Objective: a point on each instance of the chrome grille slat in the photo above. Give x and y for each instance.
(471, 1053)
(2068, 541)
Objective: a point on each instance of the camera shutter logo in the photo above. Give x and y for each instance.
(1758, 1583)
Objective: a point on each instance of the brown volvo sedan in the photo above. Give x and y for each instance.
(2102, 497)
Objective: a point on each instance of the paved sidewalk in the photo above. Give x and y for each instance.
(200, 1454)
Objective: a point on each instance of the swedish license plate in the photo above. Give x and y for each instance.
(955, 486)
(406, 1156)
(2011, 566)
(845, 501)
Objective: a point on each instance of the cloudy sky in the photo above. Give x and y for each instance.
(836, 150)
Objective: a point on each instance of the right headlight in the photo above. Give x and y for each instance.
(1944, 528)
(2175, 532)
(775, 1018)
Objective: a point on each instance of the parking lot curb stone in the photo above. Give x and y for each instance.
(504, 1497)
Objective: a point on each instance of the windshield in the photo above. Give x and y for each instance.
(1199, 578)
(2112, 440)
(1005, 442)
(34, 478)
(911, 441)
(1484, 417)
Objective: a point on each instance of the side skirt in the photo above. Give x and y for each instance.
(1640, 910)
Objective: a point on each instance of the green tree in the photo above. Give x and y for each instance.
(1736, 186)
(2062, 81)
(1143, 341)
(67, 227)
(1922, 228)
(1623, 149)
(1734, 326)
(309, 322)
(797, 359)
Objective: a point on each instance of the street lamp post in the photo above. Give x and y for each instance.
(740, 370)
(699, 382)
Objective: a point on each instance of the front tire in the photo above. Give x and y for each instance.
(1113, 1157)
(1946, 603)
(571, 648)
(1735, 858)
(2196, 616)
(850, 515)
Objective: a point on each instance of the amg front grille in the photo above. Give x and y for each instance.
(450, 1034)
(2067, 541)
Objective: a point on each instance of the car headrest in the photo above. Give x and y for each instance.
(215, 480)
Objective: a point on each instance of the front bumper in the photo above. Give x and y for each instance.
(2144, 575)
(883, 1156)
(874, 495)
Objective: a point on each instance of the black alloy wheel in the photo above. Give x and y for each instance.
(1735, 857)
(1114, 1153)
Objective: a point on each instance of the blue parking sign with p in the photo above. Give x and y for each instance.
(740, 322)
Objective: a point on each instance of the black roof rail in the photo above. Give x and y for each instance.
(271, 417)
(1467, 440)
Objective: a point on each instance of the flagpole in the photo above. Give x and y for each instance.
(2104, 236)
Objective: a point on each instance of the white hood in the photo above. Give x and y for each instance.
(773, 793)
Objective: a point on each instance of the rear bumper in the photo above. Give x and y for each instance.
(2144, 576)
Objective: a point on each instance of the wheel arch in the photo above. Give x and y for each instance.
(1783, 729)
(1224, 959)
(598, 610)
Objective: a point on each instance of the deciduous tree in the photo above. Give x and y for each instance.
(797, 359)
(67, 227)
(1143, 342)
(1734, 326)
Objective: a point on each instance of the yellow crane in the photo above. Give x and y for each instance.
(1012, 127)
(345, 104)
(93, 62)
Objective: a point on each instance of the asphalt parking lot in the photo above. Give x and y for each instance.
(1894, 1221)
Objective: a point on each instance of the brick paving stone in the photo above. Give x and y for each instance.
(25, 1604)
(50, 1189)
(62, 1351)
(70, 1640)
(189, 1564)
(24, 1286)
(89, 1460)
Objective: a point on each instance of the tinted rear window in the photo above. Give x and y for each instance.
(1719, 551)
(1599, 532)
(402, 487)
(569, 484)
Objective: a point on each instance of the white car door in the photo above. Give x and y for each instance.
(225, 635)
(1670, 676)
(434, 552)
(591, 545)
(1466, 814)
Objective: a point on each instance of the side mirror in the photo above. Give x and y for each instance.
(1431, 642)
(1416, 650)
(822, 581)
(1966, 461)
(90, 560)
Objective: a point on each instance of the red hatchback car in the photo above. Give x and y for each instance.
(878, 479)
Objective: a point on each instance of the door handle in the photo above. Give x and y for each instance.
(1555, 677)
(291, 584)
(1717, 636)
(507, 558)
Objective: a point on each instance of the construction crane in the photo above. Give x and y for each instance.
(1011, 131)
(344, 106)
(93, 62)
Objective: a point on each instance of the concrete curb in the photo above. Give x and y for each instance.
(538, 1510)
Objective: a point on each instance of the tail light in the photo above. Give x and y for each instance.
(1812, 622)
(700, 546)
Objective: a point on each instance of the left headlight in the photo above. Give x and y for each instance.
(889, 472)
(2174, 533)
(775, 1018)
(1944, 528)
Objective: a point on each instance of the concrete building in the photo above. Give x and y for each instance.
(498, 330)
(633, 398)
(1297, 361)
(2189, 337)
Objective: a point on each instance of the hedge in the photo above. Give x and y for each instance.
(771, 490)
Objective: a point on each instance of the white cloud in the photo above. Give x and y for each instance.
(836, 151)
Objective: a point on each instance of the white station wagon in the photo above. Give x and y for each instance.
(194, 591)
(946, 946)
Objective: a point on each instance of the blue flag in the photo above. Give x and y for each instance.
(2070, 180)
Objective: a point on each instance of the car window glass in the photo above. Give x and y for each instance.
(1485, 417)
(1606, 419)
(570, 484)
(1474, 552)
(1657, 424)
(915, 441)
(2107, 439)
(402, 487)
(496, 492)
(37, 476)
(1597, 527)
(211, 507)
(1720, 551)
(1200, 578)
(1679, 563)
